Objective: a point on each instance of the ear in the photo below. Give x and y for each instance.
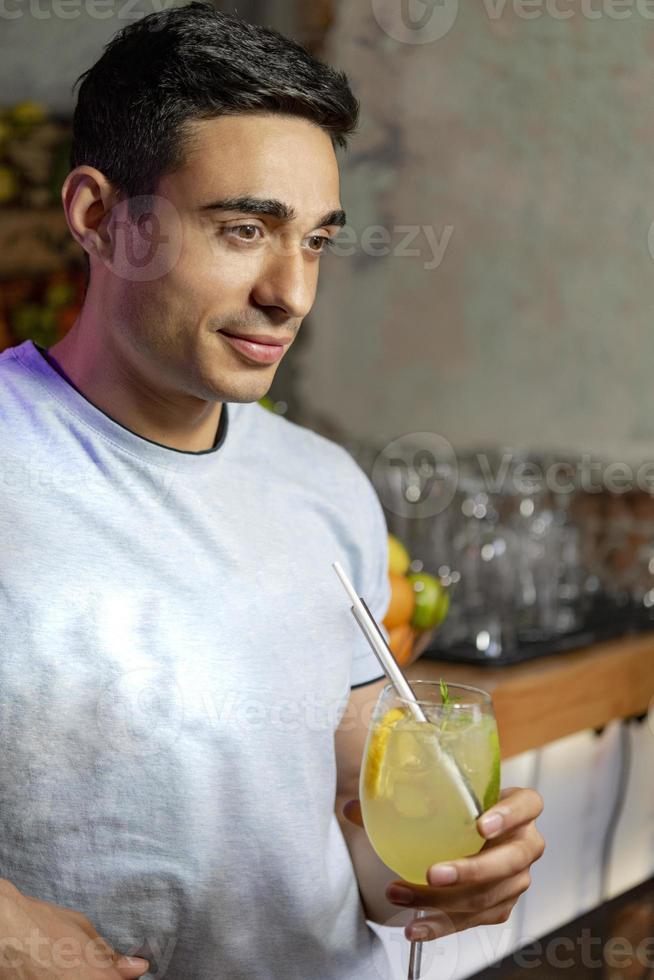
(87, 198)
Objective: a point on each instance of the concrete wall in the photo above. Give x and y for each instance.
(43, 52)
(524, 147)
(46, 44)
(532, 141)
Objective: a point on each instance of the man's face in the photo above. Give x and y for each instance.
(238, 270)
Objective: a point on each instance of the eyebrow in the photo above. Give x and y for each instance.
(272, 208)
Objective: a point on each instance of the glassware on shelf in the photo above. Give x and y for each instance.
(530, 551)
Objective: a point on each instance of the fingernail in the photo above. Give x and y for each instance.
(132, 961)
(442, 874)
(396, 893)
(420, 934)
(491, 824)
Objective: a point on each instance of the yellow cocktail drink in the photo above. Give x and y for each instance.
(412, 811)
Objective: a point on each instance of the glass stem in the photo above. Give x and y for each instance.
(415, 955)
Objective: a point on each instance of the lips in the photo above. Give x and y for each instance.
(259, 338)
(256, 350)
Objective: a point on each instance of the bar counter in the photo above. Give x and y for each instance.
(545, 699)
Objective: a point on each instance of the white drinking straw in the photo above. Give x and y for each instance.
(393, 671)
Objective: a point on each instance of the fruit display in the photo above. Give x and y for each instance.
(419, 603)
(34, 156)
(42, 280)
(40, 309)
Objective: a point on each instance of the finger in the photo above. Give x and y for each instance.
(131, 966)
(352, 810)
(492, 864)
(473, 901)
(435, 926)
(459, 899)
(530, 834)
(516, 808)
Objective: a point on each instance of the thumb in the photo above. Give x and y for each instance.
(352, 810)
(131, 967)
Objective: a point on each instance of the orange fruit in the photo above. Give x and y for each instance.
(403, 601)
(402, 604)
(401, 640)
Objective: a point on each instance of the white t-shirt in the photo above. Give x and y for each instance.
(176, 652)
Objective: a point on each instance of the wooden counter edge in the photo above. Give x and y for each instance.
(548, 698)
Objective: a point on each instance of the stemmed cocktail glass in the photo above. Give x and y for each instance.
(413, 811)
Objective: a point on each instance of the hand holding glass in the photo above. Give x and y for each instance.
(413, 812)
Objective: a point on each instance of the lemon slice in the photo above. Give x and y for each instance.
(377, 751)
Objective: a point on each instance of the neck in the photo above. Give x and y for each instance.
(170, 418)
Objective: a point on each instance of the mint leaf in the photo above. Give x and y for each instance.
(445, 694)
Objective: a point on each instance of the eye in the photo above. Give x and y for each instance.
(243, 228)
(320, 243)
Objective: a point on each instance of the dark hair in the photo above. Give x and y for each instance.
(188, 63)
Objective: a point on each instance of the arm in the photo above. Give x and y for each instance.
(372, 874)
(480, 890)
(41, 941)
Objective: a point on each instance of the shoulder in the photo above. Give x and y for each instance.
(15, 379)
(324, 476)
(10, 362)
(16, 367)
(297, 453)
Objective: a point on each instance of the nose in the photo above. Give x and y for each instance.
(287, 281)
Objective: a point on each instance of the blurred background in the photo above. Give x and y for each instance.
(488, 312)
(482, 341)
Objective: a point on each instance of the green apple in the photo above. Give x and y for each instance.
(432, 601)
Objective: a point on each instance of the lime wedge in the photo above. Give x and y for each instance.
(492, 794)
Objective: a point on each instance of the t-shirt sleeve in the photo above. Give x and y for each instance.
(377, 589)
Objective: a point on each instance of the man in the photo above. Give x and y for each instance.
(178, 653)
